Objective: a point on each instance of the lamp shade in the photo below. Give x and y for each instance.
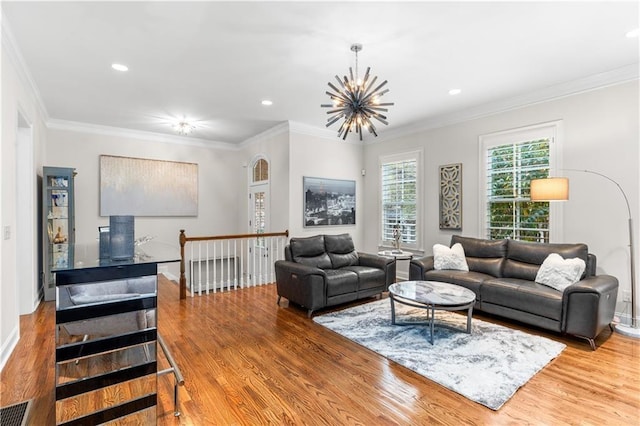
(550, 189)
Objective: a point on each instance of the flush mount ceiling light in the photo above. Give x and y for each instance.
(267, 102)
(357, 101)
(183, 127)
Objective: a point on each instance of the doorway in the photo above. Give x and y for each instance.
(259, 257)
(28, 285)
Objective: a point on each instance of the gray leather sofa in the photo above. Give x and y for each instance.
(502, 274)
(326, 270)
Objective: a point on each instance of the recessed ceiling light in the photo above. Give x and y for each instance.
(633, 33)
(454, 92)
(267, 102)
(120, 67)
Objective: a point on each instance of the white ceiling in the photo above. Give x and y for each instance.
(213, 62)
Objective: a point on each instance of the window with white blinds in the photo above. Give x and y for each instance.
(400, 198)
(509, 168)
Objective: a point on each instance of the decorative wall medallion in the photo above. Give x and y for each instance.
(451, 196)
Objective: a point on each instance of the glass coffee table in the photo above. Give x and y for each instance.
(432, 296)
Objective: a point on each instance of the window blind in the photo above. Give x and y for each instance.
(509, 171)
(399, 199)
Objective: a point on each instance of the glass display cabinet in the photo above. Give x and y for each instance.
(58, 224)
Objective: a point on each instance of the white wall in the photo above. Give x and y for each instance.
(219, 183)
(17, 95)
(274, 146)
(601, 133)
(317, 156)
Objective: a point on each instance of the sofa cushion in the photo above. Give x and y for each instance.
(471, 280)
(485, 256)
(310, 251)
(368, 277)
(523, 295)
(559, 273)
(341, 281)
(524, 258)
(341, 250)
(449, 258)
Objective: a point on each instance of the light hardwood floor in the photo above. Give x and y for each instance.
(247, 361)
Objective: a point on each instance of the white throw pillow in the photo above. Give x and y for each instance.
(559, 273)
(449, 258)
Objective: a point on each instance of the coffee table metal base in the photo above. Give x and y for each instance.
(431, 308)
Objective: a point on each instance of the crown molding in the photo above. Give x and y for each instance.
(306, 129)
(279, 128)
(321, 132)
(289, 127)
(96, 129)
(594, 82)
(13, 52)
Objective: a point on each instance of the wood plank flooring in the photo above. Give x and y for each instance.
(247, 361)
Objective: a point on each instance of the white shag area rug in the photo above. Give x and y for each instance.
(487, 366)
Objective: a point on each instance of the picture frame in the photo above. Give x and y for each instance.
(145, 187)
(328, 202)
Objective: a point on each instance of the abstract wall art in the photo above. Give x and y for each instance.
(143, 187)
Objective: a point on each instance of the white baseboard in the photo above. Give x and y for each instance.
(170, 276)
(9, 345)
(402, 276)
(624, 318)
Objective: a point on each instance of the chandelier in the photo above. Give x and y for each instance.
(357, 101)
(183, 127)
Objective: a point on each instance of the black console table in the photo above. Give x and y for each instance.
(107, 338)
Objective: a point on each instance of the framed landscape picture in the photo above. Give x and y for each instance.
(329, 202)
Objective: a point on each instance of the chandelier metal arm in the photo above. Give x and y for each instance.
(334, 87)
(330, 121)
(338, 96)
(371, 83)
(373, 92)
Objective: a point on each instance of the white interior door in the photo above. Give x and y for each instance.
(259, 257)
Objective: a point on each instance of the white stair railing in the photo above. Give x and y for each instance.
(228, 262)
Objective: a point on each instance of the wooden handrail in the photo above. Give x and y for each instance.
(184, 239)
(235, 237)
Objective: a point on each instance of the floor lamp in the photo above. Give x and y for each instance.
(557, 189)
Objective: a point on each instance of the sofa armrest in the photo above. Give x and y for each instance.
(301, 284)
(589, 305)
(387, 264)
(298, 268)
(600, 284)
(374, 261)
(418, 266)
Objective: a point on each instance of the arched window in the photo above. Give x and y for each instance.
(260, 170)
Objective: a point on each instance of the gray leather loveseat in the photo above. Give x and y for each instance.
(326, 270)
(502, 274)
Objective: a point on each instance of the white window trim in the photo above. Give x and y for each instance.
(410, 155)
(552, 130)
(256, 186)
